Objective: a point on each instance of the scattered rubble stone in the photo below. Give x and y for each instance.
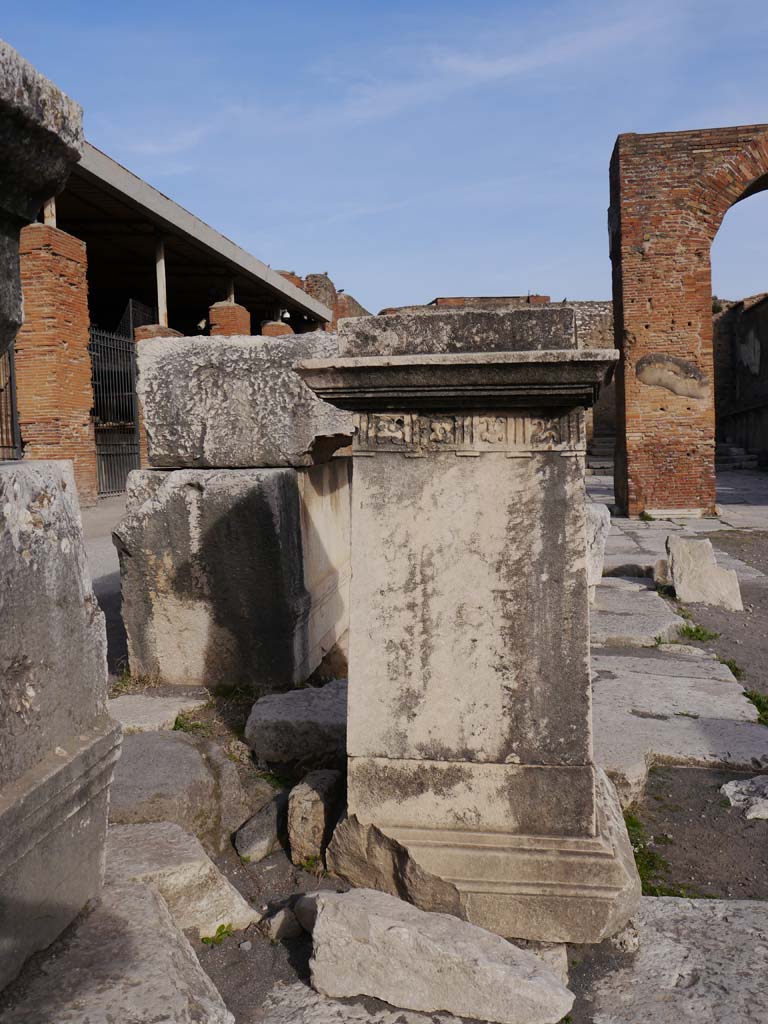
(312, 812)
(125, 961)
(749, 794)
(366, 858)
(141, 712)
(698, 579)
(237, 403)
(174, 863)
(697, 960)
(264, 832)
(369, 943)
(283, 925)
(307, 725)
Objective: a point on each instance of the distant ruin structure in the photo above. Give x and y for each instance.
(669, 194)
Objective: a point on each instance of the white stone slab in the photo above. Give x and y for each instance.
(127, 961)
(369, 943)
(628, 614)
(174, 863)
(669, 718)
(141, 712)
(297, 1004)
(702, 961)
(749, 794)
(698, 579)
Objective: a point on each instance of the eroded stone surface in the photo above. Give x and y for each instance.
(174, 863)
(629, 613)
(697, 960)
(298, 1004)
(126, 961)
(312, 812)
(751, 795)
(235, 576)
(369, 943)
(697, 578)
(265, 831)
(598, 527)
(140, 712)
(236, 403)
(308, 725)
(670, 708)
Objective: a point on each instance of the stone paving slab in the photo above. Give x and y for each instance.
(629, 613)
(125, 962)
(139, 712)
(645, 716)
(174, 863)
(298, 1004)
(702, 961)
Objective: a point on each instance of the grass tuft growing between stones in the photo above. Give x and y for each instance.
(730, 663)
(691, 631)
(128, 682)
(646, 517)
(185, 722)
(760, 700)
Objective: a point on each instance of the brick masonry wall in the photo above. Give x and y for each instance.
(53, 366)
(275, 328)
(669, 194)
(229, 318)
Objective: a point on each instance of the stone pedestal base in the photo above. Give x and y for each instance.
(53, 824)
(549, 888)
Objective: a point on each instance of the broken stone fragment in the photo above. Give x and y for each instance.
(366, 858)
(176, 865)
(140, 712)
(265, 832)
(698, 579)
(369, 943)
(749, 794)
(312, 812)
(307, 725)
(236, 403)
(299, 1004)
(125, 961)
(283, 924)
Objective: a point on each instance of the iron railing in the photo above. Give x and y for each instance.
(10, 436)
(115, 408)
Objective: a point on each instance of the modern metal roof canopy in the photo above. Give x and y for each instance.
(120, 216)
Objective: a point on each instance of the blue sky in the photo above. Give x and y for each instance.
(411, 149)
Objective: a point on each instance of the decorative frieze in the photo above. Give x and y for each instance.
(495, 431)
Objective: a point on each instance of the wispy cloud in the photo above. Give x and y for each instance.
(172, 145)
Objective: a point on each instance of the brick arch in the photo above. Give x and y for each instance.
(669, 195)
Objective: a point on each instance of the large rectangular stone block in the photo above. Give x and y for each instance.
(236, 402)
(235, 576)
(57, 744)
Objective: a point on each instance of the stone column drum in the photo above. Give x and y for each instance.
(469, 732)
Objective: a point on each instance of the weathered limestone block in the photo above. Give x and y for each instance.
(236, 402)
(312, 813)
(265, 831)
(171, 776)
(368, 943)
(235, 576)
(598, 528)
(126, 961)
(57, 744)
(458, 331)
(139, 712)
(469, 728)
(174, 863)
(299, 1004)
(41, 135)
(307, 725)
(751, 795)
(697, 578)
(697, 960)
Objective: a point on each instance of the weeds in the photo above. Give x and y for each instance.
(650, 864)
(760, 700)
(646, 517)
(130, 683)
(736, 671)
(690, 631)
(222, 932)
(185, 723)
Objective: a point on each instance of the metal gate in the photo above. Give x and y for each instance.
(115, 408)
(10, 437)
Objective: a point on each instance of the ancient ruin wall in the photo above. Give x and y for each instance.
(669, 194)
